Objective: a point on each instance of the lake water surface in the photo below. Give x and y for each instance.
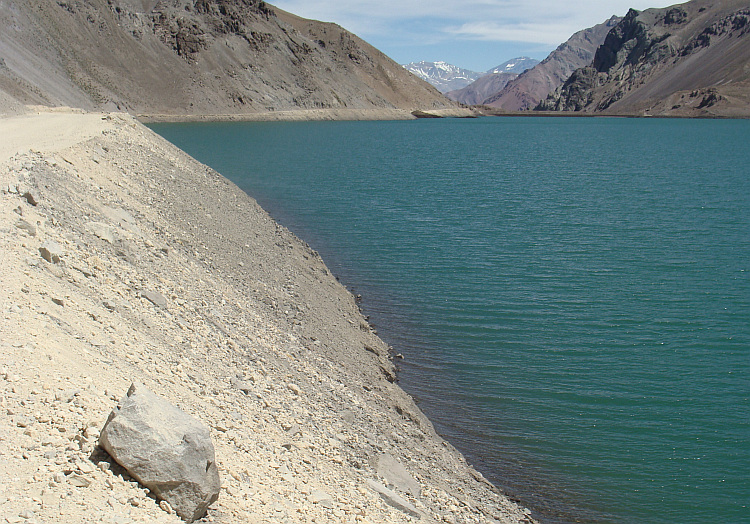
(572, 296)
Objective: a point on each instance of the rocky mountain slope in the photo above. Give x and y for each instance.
(530, 87)
(196, 57)
(691, 59)
(444, 76)
(482, 88)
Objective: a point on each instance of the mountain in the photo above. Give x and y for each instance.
(481, 89)
(492, 82)
(445, 77)
(516, 65)
(448, 78)
(194, 57)
(530, 87)
(691, 59)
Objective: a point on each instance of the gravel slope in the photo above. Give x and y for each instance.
(169, 275)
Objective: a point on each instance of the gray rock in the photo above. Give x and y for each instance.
(102, 230)
(394, 499)
(155, 298)
(25, 226)
(242, 385)
(165, 449)
(51, 251)
(394, 472)
(322, 498)
(123, 219)
(31, 196)
(79, 481)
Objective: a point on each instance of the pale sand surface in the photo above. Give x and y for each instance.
(246, 329)
(48, 131)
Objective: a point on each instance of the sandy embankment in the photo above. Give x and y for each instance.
(171, 276)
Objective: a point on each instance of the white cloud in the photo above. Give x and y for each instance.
(535, 33)
(535, 21)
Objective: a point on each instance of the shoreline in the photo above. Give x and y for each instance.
(304, 115)
(170, 275)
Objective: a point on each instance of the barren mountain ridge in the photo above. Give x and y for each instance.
(691, 59)
(197, 57)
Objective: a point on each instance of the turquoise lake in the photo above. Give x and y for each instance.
(571, 296)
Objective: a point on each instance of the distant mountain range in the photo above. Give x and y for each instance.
(691, 59)
(530, 87)
(447, 77)
(235, 57)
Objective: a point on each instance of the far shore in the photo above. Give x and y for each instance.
(297, 115)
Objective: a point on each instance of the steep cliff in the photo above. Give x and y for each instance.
(196, 57)
(535, 84)
(691, 59)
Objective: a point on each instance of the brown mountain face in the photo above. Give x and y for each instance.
(691, 59)
(482, 88)
(194, 57)
(534, 85)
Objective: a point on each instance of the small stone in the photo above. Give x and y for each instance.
(78, 481)
(294, 388)
(102, 230)
(242, 385)
(31, 196)
(67, 396)
(164, 505)
(155, 298)
(24, 422)
(85, 467)
(91, 433)
(293, 430)
(51, 251)
(25, 226)
(394, 499)
(322, 498)
(394, 472)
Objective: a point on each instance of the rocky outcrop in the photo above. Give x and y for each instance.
(194, 57)
(535, 84)
(687, 60)
(165, 449)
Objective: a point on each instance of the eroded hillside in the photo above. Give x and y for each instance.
(196, 57)
(535, 84)
(686, 60)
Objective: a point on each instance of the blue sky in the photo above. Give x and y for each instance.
(474, 34)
